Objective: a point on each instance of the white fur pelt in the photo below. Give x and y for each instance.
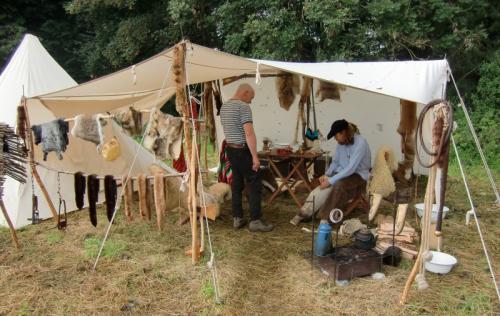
(164, 138)
(382, 181)
(221, 191)
(89, 128)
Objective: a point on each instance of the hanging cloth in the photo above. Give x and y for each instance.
(180, 164)
(225, 173)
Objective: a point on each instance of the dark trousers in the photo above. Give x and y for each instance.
(342, 191)
(241, 165)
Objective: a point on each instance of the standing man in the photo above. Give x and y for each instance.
(237, 122)
(345, 178)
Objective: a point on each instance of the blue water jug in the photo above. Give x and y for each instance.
(323, 244)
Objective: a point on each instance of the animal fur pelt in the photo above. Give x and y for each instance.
(150, 200)
(385, 164)
(130, 120)
(89, 128)
(407, 129)
(164, 138)
(142, 185)
(221, 191)
(93, 195)
(176, 198)
(179, 78)
(208, 104)
(110, 192)
(287, 86)
(53, 136)
(159, 195)
(128, 197)
(79, 189)
(328, 90)
(305, 91)
(217, 96)
(21, 123)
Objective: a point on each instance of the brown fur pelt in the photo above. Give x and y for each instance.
(407, 129)
(217, 96)
(287, 86)
(128, 197)
(385, 164)
(208, 103)
(110, 192)
(150, 200)
(221, 191)
(130, 120)
(79, 189)
(305, 92)
(329, 90)
(93, 196)
(21, 123)
(142, 185)
(175, 198)
(179, 78)
(159, 196)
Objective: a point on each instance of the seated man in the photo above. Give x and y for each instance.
(345, 178)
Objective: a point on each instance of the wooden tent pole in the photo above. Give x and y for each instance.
(12, 230)
(31, 155)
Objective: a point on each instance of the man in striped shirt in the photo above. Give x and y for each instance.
(237, 123)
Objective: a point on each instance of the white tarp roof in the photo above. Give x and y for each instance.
(148, 83)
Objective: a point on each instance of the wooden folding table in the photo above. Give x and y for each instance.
(296, 160)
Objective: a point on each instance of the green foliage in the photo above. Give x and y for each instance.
(112, 248)
(55, 237)
(484, 112)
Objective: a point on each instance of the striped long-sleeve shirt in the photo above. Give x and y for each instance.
(233, 114)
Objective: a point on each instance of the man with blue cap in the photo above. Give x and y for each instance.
(346, 177)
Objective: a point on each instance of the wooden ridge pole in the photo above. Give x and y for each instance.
(31, 155)
(12, 230)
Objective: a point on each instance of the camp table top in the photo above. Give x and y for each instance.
(296, 160)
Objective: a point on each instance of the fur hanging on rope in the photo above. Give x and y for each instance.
(93, 196)
(164, 138)
(287, 86)
(329, 90)
(142, 185)
(179, 78)
(12, 156)
(110, 193)
(89, 128)
(53, 136)
(21, 126)
(130, 120)
(79, 189)
(128, 197)
(159, 196)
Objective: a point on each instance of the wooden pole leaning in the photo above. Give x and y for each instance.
(11, 227)
(182, 106)
(31, 156)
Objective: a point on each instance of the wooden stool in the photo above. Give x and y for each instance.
(359, 202)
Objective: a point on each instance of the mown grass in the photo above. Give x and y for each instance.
(145, 272)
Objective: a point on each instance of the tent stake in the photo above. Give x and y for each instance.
(12, 230)
(32, 163)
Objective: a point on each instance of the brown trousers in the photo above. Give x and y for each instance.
(342, 192)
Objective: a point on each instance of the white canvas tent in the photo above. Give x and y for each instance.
(33, 70)
(371, 98)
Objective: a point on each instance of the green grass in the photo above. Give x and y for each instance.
(112, 248)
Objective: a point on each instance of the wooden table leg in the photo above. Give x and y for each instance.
(302, 176)
(285, 183)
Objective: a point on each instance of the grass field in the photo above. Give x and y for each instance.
(145, 272)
